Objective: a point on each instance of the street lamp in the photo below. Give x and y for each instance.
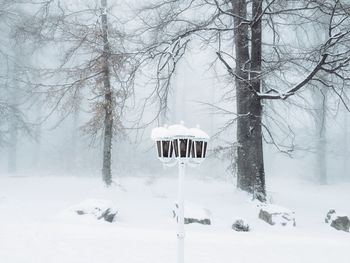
(188, 146)
(199, 145)
(163, 139)
(182, 141)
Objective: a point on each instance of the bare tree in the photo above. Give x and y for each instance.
(13, 94)
(95, 66)
(265, 64)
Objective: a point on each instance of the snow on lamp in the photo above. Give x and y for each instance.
(163, 139)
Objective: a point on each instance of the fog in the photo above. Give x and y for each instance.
(98, 161)
(53, 141)
(56, 145)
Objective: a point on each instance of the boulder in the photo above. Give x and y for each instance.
(194, 214)
(205, 221)
(109, 215)
(276, 215)
(240, 226)
(337, 220)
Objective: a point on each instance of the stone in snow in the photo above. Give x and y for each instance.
(194, 214)
(108, 215)
(338, 221)
(101, 209)
(276, 215)
(205, 221)
(240, 226)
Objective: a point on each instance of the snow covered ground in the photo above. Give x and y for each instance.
(37, 224)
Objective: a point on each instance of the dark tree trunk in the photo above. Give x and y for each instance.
(108, 103)
(250, 163)
(12, 150)
(344, 176)
(75, 138)
(13, 140)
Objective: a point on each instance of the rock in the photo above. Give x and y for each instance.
(240, 226)
(108, 215)
(275, 215)
(205, 221)
(101, 209)
(329, 215)
(338, 221)
(194, 214)
(89, 210)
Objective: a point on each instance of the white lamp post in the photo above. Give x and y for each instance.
(188, 146)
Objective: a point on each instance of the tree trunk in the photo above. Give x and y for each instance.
(38, 135)
(12, 150)
(250, 164)
(75, 139)
(345, 147)
(108, 103)
(321, 145)
(13, 143)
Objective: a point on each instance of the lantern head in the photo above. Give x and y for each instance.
(182, 141)
(164, 143)
(199, 145)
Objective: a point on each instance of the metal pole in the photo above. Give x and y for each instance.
(180, 215)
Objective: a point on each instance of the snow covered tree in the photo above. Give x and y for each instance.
(265, 64)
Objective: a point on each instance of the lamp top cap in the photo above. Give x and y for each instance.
(199, 134)
(160, 133)
(179, 130)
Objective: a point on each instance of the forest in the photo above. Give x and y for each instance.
(95, 99)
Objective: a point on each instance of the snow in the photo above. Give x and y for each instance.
(199, 134)
(36, 228)
(271, 208)
(196, 211)
(92, 207)
(179, 130)
(160, 132)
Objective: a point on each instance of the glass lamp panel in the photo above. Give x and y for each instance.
(176, 147)
(205, 149)
(199, 149)
(183, 148)
(192, 150)
(159, 149)
(167, 149)
(189, 148)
